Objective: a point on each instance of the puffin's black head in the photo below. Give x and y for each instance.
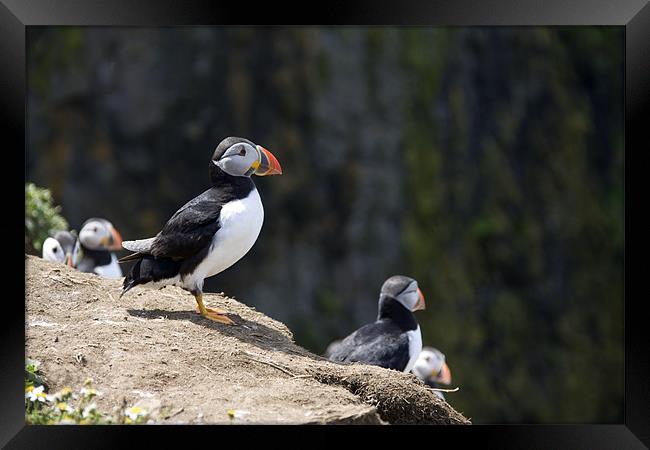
(240, 157)
(405, 290)
(431, 365)
(67, 240)
(100, 234)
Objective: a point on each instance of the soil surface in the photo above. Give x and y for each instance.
(152, 348)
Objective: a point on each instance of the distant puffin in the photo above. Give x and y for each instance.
(393, 341)
(52, 251)
(94, 250)
(432, 369)
(212, 231)
(59, 248)
(331, 347)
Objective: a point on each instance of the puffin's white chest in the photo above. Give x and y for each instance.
(415, 347)
(241, 223)
(110, 270)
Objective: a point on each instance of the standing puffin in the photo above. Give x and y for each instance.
(432, 369)
(60, 247)
(211, 232)
(394, 340)
(94, 250)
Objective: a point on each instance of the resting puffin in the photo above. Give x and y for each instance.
(94, 250)
(432, 368)
(59, 248)
(394, 340)
(211, 232)
(331, 347)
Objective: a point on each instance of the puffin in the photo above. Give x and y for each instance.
(59, 247)
(52, 251)
(331, 347)
(432, 369)
(94, 250)
(209, 233)
(394, 340)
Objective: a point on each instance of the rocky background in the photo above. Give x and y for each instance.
(487, 163)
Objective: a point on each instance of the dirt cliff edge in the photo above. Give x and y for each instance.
(153, 349)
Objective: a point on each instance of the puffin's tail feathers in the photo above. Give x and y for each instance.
(126, 287)
(131, 257)
(149, 269)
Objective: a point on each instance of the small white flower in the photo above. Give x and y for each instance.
(37, 395)
(66, 391)
(134, 412)
(88, 409)
(88, 392)
(237, 413)
(64, 407)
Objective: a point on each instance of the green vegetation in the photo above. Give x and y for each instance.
(69, 407)
(41, 218)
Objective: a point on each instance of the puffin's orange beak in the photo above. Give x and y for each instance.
(444, 376)
(68, 260)
(420, 303)
(115, 241)
(269, 164)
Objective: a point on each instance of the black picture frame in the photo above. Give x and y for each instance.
(16, 15)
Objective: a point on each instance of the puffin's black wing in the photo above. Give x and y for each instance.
(190, 229)
(380, 343)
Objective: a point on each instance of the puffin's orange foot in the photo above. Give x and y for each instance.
(210, 310)
(221, 318)
(212, 314)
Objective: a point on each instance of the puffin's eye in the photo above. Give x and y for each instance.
(242, 152)
(55, 249)
(95, 229)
